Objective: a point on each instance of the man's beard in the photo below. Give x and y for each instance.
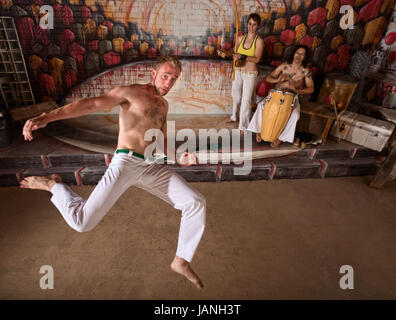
(157, 89)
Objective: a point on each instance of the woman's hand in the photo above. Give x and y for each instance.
(236, 56)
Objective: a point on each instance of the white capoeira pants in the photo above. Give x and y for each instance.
(287, 135)
(243, 87)
(127, 170)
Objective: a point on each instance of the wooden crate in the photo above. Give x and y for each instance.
(34, 110)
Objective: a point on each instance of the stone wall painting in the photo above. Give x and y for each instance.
(203, 86)
(380, 88)
(92, 36)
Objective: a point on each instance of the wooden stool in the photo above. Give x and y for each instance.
(341, 88)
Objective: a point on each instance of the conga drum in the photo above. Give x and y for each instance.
(277, 109)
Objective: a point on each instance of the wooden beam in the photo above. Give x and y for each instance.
(34, 110)
(322, 110)
(326, 130)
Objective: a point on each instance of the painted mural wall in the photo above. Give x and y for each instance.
(91, 36)
(194, 92)
(380, 89)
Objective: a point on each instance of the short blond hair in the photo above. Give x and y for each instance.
(166, 58)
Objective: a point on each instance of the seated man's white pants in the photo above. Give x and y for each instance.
(125, 171)
(287, 135)
(242, 90)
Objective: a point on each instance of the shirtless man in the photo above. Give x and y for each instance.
(289, 76)
(142, 107)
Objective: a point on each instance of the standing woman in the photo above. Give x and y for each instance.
(249, 51)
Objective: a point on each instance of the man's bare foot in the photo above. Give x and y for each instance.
(40, 183)
(230, 121)
(183, 267)
(243, 132)
(276, 143)
(258, 137)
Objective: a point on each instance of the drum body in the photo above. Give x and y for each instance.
(276, 113)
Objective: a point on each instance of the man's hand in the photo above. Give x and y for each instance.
(188, 159)
(34, 124)
(290, 88)
(283, 77)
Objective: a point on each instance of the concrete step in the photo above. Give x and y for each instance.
(260, 170)
(46, 155)
(47, 158)
(351, 167)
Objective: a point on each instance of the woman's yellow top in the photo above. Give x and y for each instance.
(247, 52)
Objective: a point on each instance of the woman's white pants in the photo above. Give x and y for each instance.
(243, 87)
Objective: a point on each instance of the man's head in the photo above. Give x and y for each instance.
(165, 73)
(253, 22)
(300, 55)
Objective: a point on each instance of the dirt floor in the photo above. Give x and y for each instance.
(281, 239)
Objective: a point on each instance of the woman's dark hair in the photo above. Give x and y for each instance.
(306, 58)
(255, 17)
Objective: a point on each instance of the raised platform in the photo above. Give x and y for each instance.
(81, 155)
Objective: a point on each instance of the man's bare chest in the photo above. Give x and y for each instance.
(150, 111)
(294, 74)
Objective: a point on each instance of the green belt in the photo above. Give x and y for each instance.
(130, 151)
(209, 146)
(127, 151)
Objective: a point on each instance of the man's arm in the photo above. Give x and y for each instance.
(274, 76)
(308, 83)
(75, 109)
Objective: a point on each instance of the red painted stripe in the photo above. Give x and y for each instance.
(219, 172)
(261, 5)
(323, 168)
(45, 161)
(107, 159)
(312, 153)
(77, 176)
(273, 170)
(19, 175)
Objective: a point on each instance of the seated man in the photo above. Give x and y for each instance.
(293, 77)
